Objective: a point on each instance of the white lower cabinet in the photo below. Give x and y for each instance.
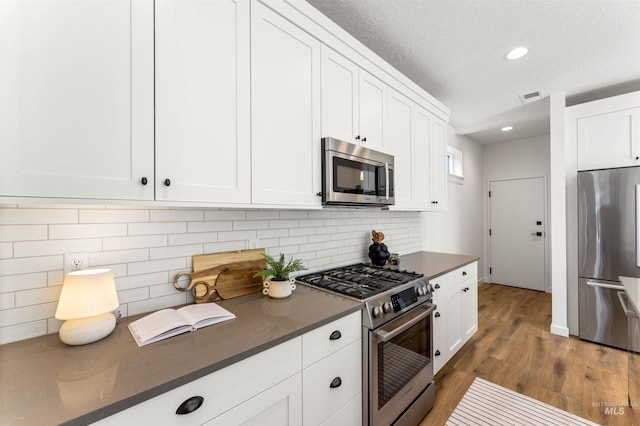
(456, 317)
(273, 387)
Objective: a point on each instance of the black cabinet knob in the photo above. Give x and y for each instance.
(464, 273)
(336, 383)
(364, 139)
(190, 405)
(437, 353)
(167, 182)
(437, 315)
(335, 335)
(637, 158)
(358, 137)
(144, 180)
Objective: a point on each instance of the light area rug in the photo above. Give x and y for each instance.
(486, 403)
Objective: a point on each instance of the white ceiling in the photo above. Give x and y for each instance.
(455, 49)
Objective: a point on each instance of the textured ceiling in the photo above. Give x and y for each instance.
(455, 50)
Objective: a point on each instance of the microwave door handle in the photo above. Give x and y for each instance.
(386, 186)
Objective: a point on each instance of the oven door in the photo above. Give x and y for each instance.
(401, 366)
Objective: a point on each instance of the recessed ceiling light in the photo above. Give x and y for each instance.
(516, 53)
(507, 128)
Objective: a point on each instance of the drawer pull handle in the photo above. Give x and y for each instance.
(437, 315)
(437, 286)
(190, 405)
(335, 335)
(437, 353)
(335, 383)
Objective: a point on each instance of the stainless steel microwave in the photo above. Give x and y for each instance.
(353, 175)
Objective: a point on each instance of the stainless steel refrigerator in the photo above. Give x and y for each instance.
(608, 234)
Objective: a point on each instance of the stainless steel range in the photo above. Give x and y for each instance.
(397, 338)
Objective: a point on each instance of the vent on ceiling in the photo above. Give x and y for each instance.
(531, 97)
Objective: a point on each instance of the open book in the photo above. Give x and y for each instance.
(171, 322)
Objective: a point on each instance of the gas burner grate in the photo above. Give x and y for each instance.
(360, 280)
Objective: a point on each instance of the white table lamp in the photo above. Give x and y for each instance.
(86, 303)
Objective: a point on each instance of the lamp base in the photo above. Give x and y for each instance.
(87, 330)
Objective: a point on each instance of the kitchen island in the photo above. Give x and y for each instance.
(47, 382)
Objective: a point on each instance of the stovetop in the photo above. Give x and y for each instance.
(385, 293)
(359, 281)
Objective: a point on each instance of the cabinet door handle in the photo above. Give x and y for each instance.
(437, 315)
(336, 383)
(437, 286)
(167, 182)
(437, 353)
(364, 139)
(190, 405)
(358, 137)
(144, 180)
(335, 335)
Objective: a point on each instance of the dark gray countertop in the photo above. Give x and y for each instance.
(433, 264)
(43, 381)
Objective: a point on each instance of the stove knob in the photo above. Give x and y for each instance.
(387, 307)
(377, 312)
(421, 291)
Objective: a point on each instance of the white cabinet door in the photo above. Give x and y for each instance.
(280, 405)
(373, 96)
(609, 140)
(398, 135)
(203, 100)
(420, 159)
(285, 79)
(340, 114)
(453, 320)
(438, 165)
(76, 99)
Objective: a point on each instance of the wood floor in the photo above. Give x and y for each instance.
(514, 349)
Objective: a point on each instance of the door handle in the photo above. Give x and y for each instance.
(604, 285)
(537, 234)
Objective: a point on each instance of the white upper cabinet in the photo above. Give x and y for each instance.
(203, 112)
(438, 179)
(353, 102)
(285, 83)
(606, 131)
(76, 99)
(417, 139)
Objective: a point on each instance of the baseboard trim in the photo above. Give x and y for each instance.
(560, 331)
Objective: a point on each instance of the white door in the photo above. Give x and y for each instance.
(203, 114)
(285, 106)
(517, 233)
(76, 99)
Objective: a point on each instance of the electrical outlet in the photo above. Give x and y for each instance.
(75, 262)
(254, 243)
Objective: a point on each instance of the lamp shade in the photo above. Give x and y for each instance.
(87, 293)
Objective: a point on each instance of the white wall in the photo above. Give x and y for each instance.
(146, 247)
(510, 160)
(459, 230)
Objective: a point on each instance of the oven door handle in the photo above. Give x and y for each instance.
(385, 336)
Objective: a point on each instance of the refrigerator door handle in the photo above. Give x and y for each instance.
(629, 312)
(638, 226)
(603, 285)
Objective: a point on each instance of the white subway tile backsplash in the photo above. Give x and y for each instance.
(28, 216)
(125, 243)
(113, 216)
(52, 247)
(9, 233)
(39, 296)
(105, 258)
(176, 215)
(6, 250)
(58, 232)
(145, 247)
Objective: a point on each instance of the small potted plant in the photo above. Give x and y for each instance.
(276, 280)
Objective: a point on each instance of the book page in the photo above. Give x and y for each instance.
(204, 314)
(158, 325)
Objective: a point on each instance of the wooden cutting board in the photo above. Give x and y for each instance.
(225, 275)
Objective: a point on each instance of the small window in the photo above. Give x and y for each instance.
(454, 164)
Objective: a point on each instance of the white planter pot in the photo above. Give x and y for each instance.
(279, 289)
